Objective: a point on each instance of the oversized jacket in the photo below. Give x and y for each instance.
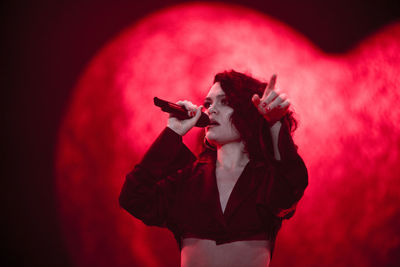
(171, 188)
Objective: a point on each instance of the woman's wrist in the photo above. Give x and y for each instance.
(275, 125)
(177, 131)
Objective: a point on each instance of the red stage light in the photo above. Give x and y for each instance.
(349, 134)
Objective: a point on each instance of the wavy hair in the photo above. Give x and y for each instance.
(251, 125)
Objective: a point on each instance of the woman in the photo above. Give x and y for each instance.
(226, 206)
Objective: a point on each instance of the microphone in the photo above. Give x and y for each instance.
(180, 112)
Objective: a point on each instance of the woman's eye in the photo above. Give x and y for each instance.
(206, 104)
(224, 101)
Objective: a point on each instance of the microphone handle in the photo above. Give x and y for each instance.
(180, 112)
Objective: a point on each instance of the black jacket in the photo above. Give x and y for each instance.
(171, 188)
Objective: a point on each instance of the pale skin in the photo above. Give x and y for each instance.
(231, 160)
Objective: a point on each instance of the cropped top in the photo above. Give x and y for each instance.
(172, 188)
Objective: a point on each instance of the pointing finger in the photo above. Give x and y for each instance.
(271, 85)
(272, 82)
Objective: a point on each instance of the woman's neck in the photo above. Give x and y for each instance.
(232, 155)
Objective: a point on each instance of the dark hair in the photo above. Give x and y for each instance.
(253, 128)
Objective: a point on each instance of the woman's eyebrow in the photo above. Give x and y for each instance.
(218, 96)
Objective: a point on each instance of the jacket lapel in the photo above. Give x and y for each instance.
(210, 189)
(247, 183)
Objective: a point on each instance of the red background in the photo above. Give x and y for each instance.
(47, 47)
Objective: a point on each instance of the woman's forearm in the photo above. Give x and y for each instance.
(275, 128)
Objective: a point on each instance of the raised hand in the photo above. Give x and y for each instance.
(272, 105)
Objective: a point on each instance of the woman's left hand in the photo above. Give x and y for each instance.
(272, 105)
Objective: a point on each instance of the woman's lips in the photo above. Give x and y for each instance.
(213, 123)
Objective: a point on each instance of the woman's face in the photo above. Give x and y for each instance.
(221, 131)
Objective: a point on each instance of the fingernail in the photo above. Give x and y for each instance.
(264, 104)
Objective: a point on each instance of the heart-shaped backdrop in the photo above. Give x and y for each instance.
(349, 134)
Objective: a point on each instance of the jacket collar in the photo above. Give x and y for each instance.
(211, 156)
(248, 182)
(207, 156)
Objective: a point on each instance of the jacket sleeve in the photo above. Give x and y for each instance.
(290, 178)
(150, 188)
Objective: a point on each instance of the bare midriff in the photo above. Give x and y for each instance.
(198, 252)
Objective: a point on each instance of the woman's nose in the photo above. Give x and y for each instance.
(212, 109)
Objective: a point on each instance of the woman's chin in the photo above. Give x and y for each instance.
(212, 141)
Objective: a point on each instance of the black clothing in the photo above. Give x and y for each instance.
(171, 188)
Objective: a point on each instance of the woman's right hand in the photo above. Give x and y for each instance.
(181, 127)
